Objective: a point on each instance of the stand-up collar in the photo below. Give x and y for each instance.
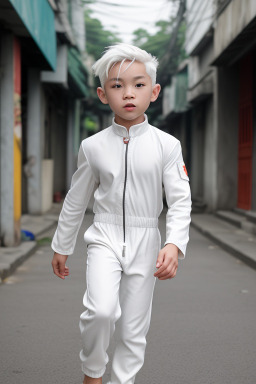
(135, 130)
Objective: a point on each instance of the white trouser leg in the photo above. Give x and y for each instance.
(101, 300)
(136, 294)
(132, 328)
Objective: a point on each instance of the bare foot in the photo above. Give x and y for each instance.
(91, 380)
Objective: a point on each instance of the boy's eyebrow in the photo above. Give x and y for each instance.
(139, 77)
(120, 78)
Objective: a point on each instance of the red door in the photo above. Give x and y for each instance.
(245, 133)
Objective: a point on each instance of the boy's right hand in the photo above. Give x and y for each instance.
(59, 265)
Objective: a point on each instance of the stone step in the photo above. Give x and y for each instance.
(249, 227)
(232, 218)
(251, 216)
(236, 241)
(245, 220)
(198, 206)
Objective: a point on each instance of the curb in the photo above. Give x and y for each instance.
(12, 257)
(226, 244)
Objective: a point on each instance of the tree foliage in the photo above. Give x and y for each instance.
(154, 43)
(168, 45)
(97, 37)
(158, 44)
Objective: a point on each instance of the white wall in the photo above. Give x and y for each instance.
(198, 152)
(210, 142)
(47, 184)
(78, 25)
(168, 95)
(6, 140)
(60, 75)
(35, 140)
(200, 16)
(231, 22)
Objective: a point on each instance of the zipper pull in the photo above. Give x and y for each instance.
(126, 140)
(124, 249)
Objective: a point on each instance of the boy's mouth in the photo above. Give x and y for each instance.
(129, 107)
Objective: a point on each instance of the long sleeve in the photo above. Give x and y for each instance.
(74, 206)
(178, 197)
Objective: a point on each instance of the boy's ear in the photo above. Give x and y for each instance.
(101, 95)
(155, 92)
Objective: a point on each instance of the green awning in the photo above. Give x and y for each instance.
(38, 18)
(77, 72)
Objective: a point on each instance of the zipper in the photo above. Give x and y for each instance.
(126, 142)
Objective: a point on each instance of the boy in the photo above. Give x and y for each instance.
(127, 163)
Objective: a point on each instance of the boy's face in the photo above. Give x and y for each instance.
(130, 94)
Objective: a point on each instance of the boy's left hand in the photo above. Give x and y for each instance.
(167, 262)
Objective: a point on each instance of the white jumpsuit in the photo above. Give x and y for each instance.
(126, 170)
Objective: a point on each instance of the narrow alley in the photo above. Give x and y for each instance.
(203, 328)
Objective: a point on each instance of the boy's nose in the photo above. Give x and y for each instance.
(128, 94)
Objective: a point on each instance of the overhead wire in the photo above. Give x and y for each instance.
(122, 16)
(123, 6)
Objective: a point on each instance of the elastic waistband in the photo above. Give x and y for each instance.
(130, 221)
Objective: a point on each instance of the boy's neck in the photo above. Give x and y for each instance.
(129, 123)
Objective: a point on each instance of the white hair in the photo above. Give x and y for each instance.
(119, 53)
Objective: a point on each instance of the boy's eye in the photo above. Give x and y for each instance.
(116, 86)
(139, 85)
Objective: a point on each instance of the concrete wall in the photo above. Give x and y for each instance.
(200, 74)
(71, 159)
(176, 126)
(35, 140)
(205, 58)
(204, 142)
(6, 140)
(47, 184)
(210, 144)
(78, 24)
(60, 75)
(213, 94)
(46, 143)
(167, 100)
(215, 144)
(59, 143)
(200, 15)
(201, 95)
(198, 151)
(254, 140)
(227, 150)
(231, 22)
(254, 163)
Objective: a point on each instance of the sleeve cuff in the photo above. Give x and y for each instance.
(182, 249)
(62, 252)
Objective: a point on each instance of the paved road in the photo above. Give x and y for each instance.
(203, 328)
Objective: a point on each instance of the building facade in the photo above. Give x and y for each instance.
(43, 80)
(235, 60)
(201, 97)
(221, 48)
